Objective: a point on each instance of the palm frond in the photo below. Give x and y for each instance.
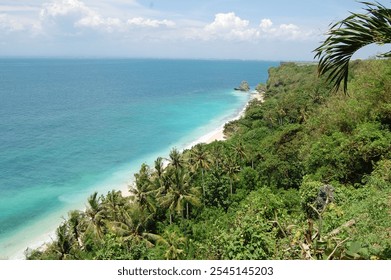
(349, 35)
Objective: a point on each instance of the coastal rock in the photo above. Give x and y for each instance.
(244, 86)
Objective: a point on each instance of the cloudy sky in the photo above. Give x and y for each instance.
(219, 29)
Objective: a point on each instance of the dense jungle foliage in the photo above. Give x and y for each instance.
(304, 175)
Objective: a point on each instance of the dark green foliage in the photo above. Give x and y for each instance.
(217, 189)
(248, 179)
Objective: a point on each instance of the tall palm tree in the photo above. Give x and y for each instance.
(239, 151)
(159, 167)
(76, 222)
(173, 242)
(143, 190)
(348, 36)
(180, 194)
(217, 152)
(64, 241)
(175, 246)
(199, 159)
(132, 223)
(95, 215)
(158, 176)
(176, 159)
(112, 203)
(231, 168)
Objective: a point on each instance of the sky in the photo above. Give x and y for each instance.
(196, 29)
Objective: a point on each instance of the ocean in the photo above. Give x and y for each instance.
(69, 127)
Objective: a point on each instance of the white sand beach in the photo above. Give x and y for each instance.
(218, 134)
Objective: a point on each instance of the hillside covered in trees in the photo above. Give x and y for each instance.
(304, 175)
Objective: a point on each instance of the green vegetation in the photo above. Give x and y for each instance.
(304, 175)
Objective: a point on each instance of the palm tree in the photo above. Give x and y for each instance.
(180, 194)
(159, 167)
(158, 177)
(176, 159)
(143, 191)
(173, 242)
(199, 159)
(112, 203)
(95, 215)
(217, 152)
(231, 168)
(64, 241)
(348, 36)
(132, 223)
(239, 151)
(76, 221)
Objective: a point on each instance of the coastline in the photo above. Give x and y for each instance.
(216, 134)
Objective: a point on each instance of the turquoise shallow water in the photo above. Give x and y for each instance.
(73, 126)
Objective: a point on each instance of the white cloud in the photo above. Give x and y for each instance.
(62, 17)
(228, 26)
(64, 8)
(145, 22)
(227, 21)
(74, 16)
(8, 24)
(292, 30)
(265, 24)
(283, 31)
(97, 22)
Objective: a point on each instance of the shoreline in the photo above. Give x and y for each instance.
(216, 134)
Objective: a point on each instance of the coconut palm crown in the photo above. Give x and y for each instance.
(349, 35)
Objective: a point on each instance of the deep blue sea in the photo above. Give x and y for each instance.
(69, 127)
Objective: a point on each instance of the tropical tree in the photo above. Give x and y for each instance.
(217, 151)
(231, 168)
(76, 222)
(176, 159)
(175, 245)
(180, 194)
(199, 159)
(143, 191)
(112, 203)
(158, 177)
(159, 167)
(64, 241)
(239, 151)
(95, 215)
(131, 225)
(349, 35)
